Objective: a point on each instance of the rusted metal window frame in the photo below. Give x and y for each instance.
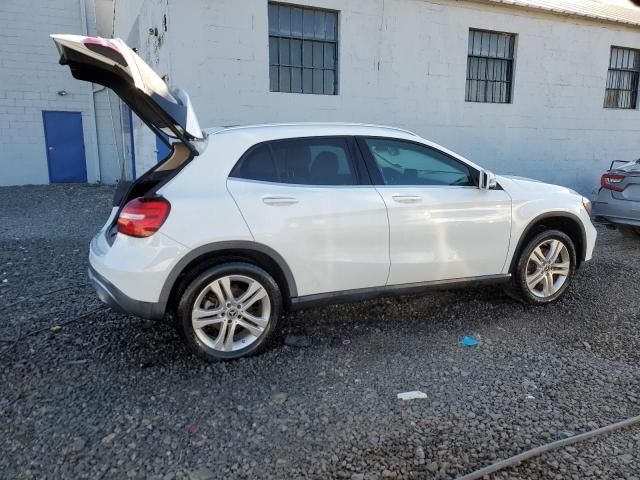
(490, 66)
(292, 75)
(621, 91)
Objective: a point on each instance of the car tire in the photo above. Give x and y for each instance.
(542, 279)
(218, 323)
(630, 232)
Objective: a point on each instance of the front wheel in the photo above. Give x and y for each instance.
(229, 311)
(545, 268)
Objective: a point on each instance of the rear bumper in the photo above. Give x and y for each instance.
(130, 273)
(112, 296)
(610, 210)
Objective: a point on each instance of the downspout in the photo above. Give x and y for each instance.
(92, 103)
(121, 158)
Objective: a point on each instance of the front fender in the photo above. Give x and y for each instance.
(522, 236)
(535, 202)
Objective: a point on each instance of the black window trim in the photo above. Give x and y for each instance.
(376, 175)
(356, 159)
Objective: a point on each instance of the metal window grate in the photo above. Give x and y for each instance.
(303, 50)
(622, 79)
(489, 66)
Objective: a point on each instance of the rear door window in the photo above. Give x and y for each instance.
(257, 165)
(308, 161)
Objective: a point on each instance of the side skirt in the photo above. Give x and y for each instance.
(356, 295)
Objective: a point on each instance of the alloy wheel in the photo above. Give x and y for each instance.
(231, 313)
(548, 268)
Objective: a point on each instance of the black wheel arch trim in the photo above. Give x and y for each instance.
(204, 250)
(581, 249)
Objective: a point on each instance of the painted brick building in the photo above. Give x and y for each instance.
(39, 98)
(407, 63)
(534, 88)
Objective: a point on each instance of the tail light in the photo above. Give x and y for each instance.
(611, 181)
(142, 217)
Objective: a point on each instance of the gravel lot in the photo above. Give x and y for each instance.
(110, 396)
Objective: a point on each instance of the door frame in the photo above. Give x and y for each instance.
(46, 142)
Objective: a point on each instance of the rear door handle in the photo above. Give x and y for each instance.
(406, 198)
(279, 200)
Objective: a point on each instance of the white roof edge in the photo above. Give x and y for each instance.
(589, 9)
(215, 130)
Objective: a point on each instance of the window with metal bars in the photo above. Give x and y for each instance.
(622, 80)
(490, 66)
(303, 49)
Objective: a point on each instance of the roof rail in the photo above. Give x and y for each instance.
(310, 124)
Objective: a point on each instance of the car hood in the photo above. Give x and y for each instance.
(511, 183)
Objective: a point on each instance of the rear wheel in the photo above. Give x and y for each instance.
(229, 311)
(630, 232)
(545, 268)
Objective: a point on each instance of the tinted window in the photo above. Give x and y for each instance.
(404, 163)
(316, 161)
(257, 165)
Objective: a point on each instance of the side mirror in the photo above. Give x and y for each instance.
(488, 180)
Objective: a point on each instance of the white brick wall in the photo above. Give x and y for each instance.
(403, 62)
(30, 78)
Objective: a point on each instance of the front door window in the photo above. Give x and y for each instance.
(405, 163)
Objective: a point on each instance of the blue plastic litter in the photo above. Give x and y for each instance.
(468, 341)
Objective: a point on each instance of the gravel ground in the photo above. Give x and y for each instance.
(110, 396)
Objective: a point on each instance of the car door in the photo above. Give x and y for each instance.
(442, 226)
(310, 200)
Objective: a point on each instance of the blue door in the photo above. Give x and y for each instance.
(65, 147)
(161, 148)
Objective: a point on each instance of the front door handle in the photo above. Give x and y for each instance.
(279, 200)
(406, 198)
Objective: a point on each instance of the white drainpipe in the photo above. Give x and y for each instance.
(92, 103)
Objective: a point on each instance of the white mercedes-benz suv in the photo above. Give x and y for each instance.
(238, 224)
